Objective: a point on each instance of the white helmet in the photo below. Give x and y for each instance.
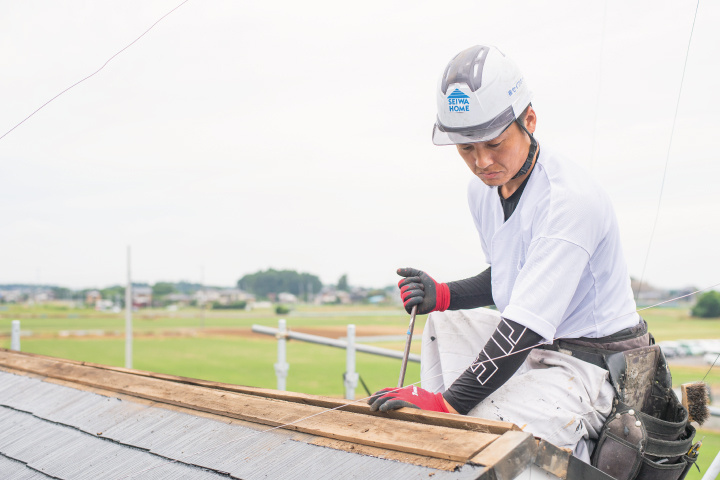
(479, 95)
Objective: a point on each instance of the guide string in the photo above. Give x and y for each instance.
(96, 71)
(599, 90)
(667, 156)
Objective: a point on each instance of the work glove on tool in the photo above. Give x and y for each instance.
(410, 396)
(419, 288)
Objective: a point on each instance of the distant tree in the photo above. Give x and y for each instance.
(274, 281)
(161, 289)
(187, 288)
(61, 293)
(230, 306)
(113, 293)
(343, 283)
(708, 305)
(282, 309)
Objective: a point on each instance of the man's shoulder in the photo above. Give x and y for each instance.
(557, 164)
(578, 208)
(568, 181)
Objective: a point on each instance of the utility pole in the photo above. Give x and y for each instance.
(202, 289)
(128, 315)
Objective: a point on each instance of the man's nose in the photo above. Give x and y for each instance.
(482, 158)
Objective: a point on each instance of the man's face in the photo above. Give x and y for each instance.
(496, 161)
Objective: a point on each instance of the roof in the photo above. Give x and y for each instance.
(65, 419)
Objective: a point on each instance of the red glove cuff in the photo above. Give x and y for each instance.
(443, 297)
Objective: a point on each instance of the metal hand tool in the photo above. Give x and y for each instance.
(411, 327)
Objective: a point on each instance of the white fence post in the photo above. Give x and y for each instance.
(713, 470)
(351, 376)
(281, 367)
(15, 336)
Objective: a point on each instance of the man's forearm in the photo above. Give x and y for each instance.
(502, 355)
(471, 292)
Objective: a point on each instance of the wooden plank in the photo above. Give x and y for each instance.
(420, 460)
(553, 459)
(392, 434)
(406, 414)
(508, 456)
(358, 406)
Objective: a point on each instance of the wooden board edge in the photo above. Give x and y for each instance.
(230, 405)
(419, 460)
(509, 455)
(448, 420)
(553, 459)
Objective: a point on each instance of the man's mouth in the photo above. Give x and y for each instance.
(488, 174)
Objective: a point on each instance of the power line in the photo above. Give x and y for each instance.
(96, 71)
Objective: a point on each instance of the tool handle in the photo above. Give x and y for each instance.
(406, 354)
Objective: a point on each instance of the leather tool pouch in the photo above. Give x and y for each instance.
(647, 435)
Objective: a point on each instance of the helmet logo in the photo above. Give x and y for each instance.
(458, 101)
(516, 87)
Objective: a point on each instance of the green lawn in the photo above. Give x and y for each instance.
(52, 321)
(676, 323)
(165, 343)
(710, 448)
(314, 369)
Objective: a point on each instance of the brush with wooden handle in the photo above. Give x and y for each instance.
(695, 399)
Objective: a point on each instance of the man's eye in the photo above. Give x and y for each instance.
(466, 148)
(494, 145)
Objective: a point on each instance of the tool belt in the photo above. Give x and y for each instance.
(647, 434)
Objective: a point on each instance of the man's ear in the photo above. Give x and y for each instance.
(530, 119)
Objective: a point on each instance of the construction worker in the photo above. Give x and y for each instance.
(557, 273)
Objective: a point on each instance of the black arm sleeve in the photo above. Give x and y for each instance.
(472, 292)
(493, 366)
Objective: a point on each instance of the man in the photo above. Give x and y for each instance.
(550, 236)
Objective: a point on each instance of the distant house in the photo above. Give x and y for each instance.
(234, 295)
(103, 305)
(14, 295)
(331, 295)
(92, 297)
(207, 295)
(142, 297)
(286, 297)
(179, 299)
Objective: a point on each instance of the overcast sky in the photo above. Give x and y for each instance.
(237, 136)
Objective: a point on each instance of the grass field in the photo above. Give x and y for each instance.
(218, 345)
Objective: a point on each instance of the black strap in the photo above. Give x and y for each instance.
(598, 356)
(531, 153)
(586, 354)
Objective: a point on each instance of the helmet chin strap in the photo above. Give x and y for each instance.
(531, 153)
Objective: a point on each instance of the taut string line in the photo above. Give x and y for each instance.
(667, 157)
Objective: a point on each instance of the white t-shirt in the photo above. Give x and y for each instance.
(557, 263)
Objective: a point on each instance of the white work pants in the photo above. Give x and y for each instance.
(554, 396)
